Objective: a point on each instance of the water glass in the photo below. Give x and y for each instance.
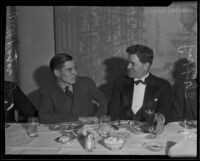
(32, 128)
(149, 116)
(150, 119)
(105, 125)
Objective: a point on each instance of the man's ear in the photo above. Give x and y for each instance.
(56, 73)
(147, 65)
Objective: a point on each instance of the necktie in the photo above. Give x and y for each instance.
(139, 81)
(68, 92)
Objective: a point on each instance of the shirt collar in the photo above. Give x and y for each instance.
(62, 86)
(143, 78)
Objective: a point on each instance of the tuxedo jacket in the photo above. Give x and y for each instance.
(156, 89)
(13, 94)
(56, 106)
(185, 101)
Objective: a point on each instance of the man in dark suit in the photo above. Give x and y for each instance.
(15, 99)
(140, 89)
(185, 101)
(71, 97)
(184, 104)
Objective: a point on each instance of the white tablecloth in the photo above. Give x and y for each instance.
(18, 142)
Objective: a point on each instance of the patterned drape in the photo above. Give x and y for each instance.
(95, 34)
(10, 68)
(105, 32)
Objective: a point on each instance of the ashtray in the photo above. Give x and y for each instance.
(152, 146)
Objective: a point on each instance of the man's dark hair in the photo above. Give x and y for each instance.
(144, 53)
(58, 61)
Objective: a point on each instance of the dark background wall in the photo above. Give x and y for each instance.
(98, 36)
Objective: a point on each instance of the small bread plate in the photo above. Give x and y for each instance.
(152, 146)
(66, 137)
(121, 124)
(66, 126)
(136, 127)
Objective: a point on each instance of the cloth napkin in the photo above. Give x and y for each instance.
(187, 147)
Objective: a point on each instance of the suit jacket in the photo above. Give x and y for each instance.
(185, 101)
(13, 94)
(122, 94)
(56, 106)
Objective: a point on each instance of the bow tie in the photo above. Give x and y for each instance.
(140, 81)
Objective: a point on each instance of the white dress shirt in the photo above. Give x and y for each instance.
(138, 95)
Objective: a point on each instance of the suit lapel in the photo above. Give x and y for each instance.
(128, 88)
(191, 101)
(76, 98)
(64, 100)
(150, 92)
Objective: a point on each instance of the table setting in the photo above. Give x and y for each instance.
(103, 137)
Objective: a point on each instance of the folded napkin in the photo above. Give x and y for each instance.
(187, 147)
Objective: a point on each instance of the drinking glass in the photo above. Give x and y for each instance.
(105, 125)
(32, 128)
(150, 119)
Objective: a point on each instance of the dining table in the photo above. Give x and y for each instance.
(18, 142)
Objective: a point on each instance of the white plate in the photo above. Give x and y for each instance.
(68, 126)
(122, 124)
(153, 146)
(137, 130)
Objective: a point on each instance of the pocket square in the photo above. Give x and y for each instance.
(156, 99)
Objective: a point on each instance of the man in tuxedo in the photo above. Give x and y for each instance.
(71, 97)
(139, 89)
